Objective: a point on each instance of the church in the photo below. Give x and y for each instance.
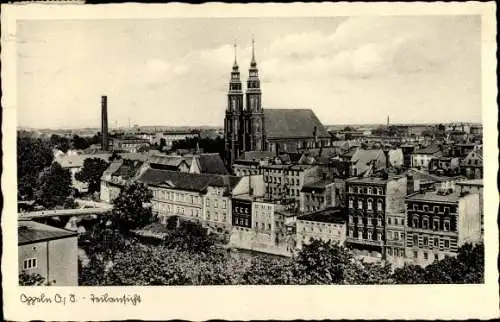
(250, 127)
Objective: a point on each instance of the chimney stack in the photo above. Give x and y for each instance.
(104, 123)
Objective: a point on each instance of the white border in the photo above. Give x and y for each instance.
(245, 303)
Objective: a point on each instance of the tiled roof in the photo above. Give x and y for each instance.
(211, 163)
(292, 123)
(29, 232)
(113, 167)
(167, 160)
(435, 196)
(257, 155)
(76, 161)
(135, 156)
(431, 149)
(188, 181)
(328, 215)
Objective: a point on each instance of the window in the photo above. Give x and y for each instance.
(370, 190)
(379, 236)
(379, 221)
(351, 203)
(426, 256)
(379, 205)
(446, 210)
(30, 263)
(402, 222)
(360, 204)
(415, 254)
(436, 257)
(389, 251)
(436, 209)
(402, 235)
(435, 224)
(415, 222)
(415, 240)
(436, 241)
(351, 189)
(396, 235)
(224, 204)
(207, 203)
(426, 241)
(389, 221)
(370, 204)
(215, 203)
(446, 243)
(425, 223)
(446, 225)
(426, 208)
(369, 235)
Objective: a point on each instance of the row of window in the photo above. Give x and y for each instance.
(176, 196)
(237, 221)
(262, 206)
(241, 210)
(395, 221)
(437, 223)
(366, 190)
(275, 190)
(369, 204)
(396, 235)
(430, 242)
(396, 252)
(216, 217)
(364, 234)
(171, 209)
(369, 220)
(282, 171)
(279, 180)
(215, 203)
(425, 208)
(29, 263)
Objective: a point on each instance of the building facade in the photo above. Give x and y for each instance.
(327, 225)
(439, 222)
(371, 201)
(48, 251)
(321, 194)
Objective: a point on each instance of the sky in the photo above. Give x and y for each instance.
(175, 71)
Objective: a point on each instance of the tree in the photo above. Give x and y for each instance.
(322, 262)
(54, 186)
(91, 173)
(114, 156)
(80, 143)
(60, 142)
(271, 271)
(33, 155)
(191, 237)
(130, 210)
(26, 279)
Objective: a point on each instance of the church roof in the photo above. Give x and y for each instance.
(292, 123)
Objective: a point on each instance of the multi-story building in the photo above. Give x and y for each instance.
(444, 166)
(130, 144)
(117, 175)
(48, 251)
(321, 194)
(328, 225)
(472, 164)
(420, 159)
(371, 201)
(439, 222)
(201, 197)
(283, 183)
(171, 136)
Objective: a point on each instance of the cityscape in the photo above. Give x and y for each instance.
(247, 194)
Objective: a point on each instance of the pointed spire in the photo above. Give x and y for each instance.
(235, 54)
(253, 49)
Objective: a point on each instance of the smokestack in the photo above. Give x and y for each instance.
(104, 123)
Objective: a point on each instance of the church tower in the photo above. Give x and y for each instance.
(234, 113)
(253, 114)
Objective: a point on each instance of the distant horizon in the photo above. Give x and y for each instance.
(222, 126)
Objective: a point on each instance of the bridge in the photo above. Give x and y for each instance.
(86, 208)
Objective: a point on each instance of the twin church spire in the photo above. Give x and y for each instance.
(244, 120)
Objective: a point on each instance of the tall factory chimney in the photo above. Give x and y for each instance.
(104, 123)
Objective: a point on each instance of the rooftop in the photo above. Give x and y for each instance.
(436, 196)
(187, 181)
(472, 182)
(431, 149)
(328, 215)
(292, 123)
(320, 185)
(29, 232)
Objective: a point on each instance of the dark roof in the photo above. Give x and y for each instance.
(187, 181)
(292, 123)
(167, 160)
(435, 196)
(328, 215)
(316, 185)
(257, 155)
(29, 232)
(128, 169)
(431, 149)
(211, 163)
